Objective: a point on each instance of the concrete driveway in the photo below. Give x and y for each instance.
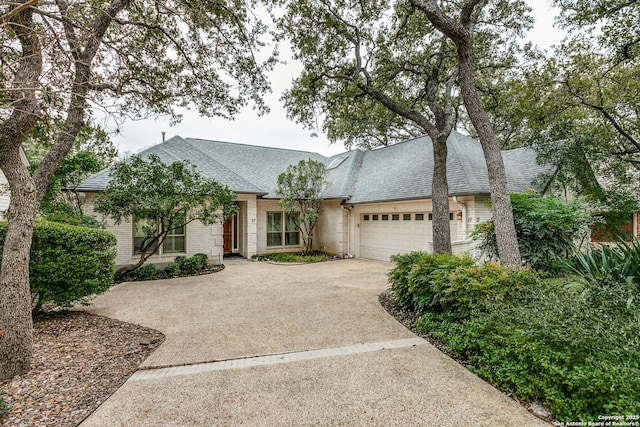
(300, 345)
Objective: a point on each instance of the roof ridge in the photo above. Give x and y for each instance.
(195, 147)
(189, 139)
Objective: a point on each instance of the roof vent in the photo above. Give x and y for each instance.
(336, 162)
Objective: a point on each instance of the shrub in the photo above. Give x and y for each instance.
(146, 272)
(68, 262)
(295, 257)
(477, 288)
(75, 219)
(547, 228)
(172, 269)
(620, 263)
(415, 284)
(573, 346)
(192, 265)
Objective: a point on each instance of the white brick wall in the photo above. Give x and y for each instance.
(331, 229)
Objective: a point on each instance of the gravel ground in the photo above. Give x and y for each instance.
(79, 361)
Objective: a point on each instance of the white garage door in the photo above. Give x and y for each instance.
(383, 235)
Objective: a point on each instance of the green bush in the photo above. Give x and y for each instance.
(194, 264)
(75, 219)
(479, 287)
(172, 269)
(146, 272)
(620, 263)
(547, 228)
(573, 346)
(295, 257)
(415, 285)
(68, 262)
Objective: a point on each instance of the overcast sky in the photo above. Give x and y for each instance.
(274, 130)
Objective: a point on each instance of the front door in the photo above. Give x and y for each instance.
(227, 233)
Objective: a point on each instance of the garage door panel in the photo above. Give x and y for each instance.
(380, 239)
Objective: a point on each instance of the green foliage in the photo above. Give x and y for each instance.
(573, 347)
(174, 194)
(172, 269)
(194, 264)
(418, 275)
(181, 266)
(295, 257)
(300, 188)
(91, 152)
(75, 219)
(375, 72)
(146, 272)
(547, 229)
(68, 262)
(471, 289)
(619, 263)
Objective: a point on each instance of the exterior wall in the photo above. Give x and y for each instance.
(199, 239)
(248, 225)
(331, 233)
(474, 210)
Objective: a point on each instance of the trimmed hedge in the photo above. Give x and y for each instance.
(68, 262)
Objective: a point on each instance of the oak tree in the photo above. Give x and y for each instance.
(133, 57)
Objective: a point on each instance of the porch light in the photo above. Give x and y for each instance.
(459, 215)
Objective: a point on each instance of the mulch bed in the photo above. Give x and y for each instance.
(79, 360)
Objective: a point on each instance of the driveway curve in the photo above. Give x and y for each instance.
(260, 344)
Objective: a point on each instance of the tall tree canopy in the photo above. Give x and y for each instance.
(60, 57)
(378, 72)
(580, 106)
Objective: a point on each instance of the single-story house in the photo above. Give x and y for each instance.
(378, 202)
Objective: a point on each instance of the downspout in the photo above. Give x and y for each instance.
(464, 216)
(348, 209)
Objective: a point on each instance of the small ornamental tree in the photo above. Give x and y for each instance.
(300, 188)
(162, 198)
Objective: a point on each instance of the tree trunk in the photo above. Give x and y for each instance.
(16, 342)
(440, 197)
(506, 237)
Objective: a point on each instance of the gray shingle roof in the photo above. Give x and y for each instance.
(397, 172)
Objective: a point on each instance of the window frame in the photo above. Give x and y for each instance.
(160, 249)
(285, 231)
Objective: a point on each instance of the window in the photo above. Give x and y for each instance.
(291, 233)
(385, 217)
(375, 217)
(406, 217)
(366, 217)
(282, 229)
(395, 217)
(173, 243)
(419, 217)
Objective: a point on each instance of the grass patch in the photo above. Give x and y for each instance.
(293, 257)
(572, 344)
